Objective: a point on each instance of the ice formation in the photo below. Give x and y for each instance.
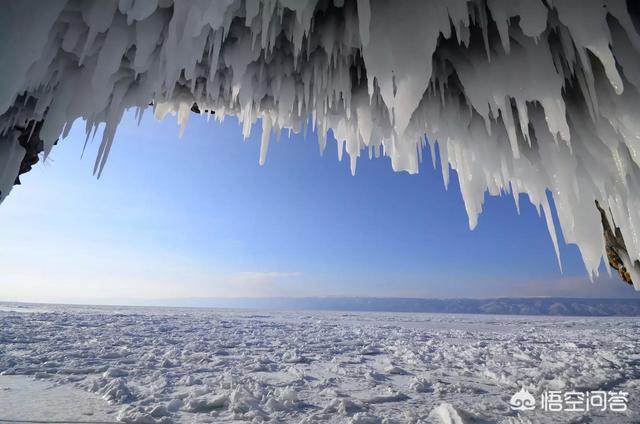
(199, 365)
(520, 96)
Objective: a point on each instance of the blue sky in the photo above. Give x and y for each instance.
(198, 216)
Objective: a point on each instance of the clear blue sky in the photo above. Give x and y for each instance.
(198, 216)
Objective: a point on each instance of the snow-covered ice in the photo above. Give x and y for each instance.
(205, 365)
(24, 399)
(519, 96)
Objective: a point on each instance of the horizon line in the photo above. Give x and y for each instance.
(157, 302)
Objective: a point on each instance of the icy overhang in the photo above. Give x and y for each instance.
(533, 97)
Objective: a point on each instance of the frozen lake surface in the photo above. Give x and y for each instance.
(24, 399)
(102, 364)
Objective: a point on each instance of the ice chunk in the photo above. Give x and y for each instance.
(445, 413)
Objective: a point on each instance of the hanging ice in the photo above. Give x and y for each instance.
(520, 96)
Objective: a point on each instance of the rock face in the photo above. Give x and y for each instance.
(518, 96)
(616, 249)
(30, 140)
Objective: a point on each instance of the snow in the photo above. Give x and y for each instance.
(518, 96)
(236, 365)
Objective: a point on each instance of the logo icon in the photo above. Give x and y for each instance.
(522, 401)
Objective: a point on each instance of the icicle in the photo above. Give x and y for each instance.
(264, 142)
(549, 102)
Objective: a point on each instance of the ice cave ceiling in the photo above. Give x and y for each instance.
(536, 97)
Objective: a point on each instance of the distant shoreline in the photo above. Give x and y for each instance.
(518, 306)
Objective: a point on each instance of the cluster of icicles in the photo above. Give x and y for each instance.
(520, 96)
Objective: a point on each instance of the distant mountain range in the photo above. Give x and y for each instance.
(508, 306)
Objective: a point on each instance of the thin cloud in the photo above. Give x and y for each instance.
(262, 277)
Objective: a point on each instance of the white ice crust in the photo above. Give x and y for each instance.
(199, 365)
(520, 96)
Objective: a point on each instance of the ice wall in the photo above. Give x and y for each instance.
(519, 96)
